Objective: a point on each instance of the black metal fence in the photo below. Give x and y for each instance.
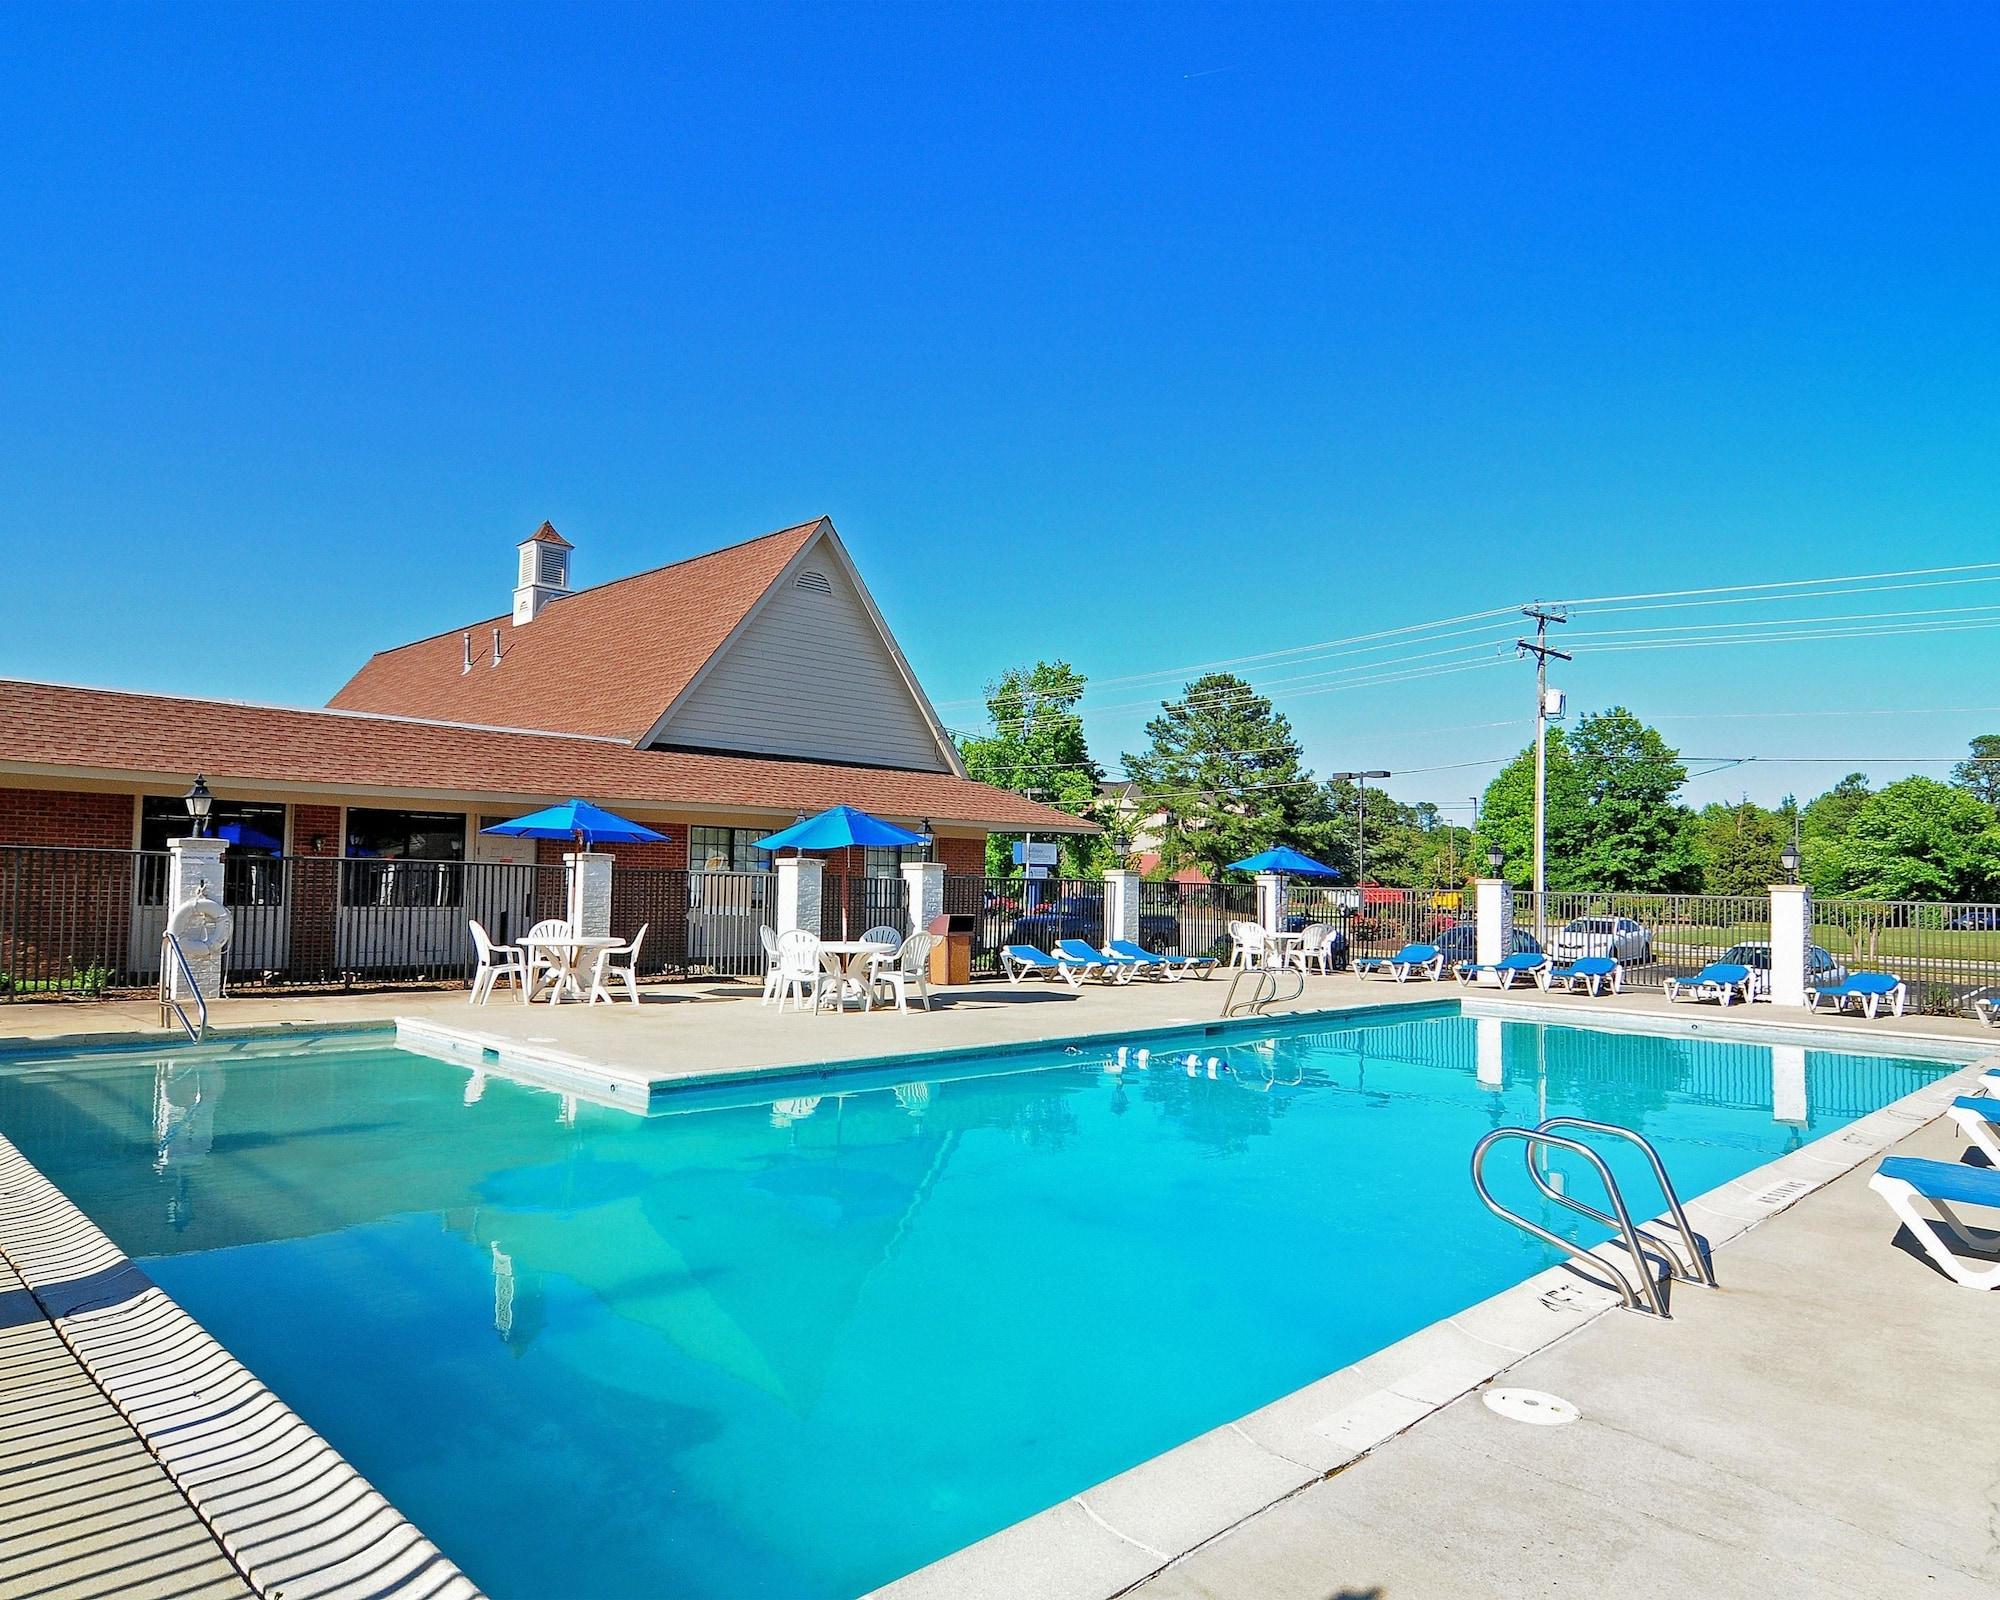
(852, 903)
(1654, 937)
(1192, 919)
(1948, 956)
(1037, 911)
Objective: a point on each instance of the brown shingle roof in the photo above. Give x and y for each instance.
(546, 534)
(605, 660)
(114, 733)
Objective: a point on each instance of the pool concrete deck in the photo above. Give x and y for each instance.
(86, 1511)
(1814, 1428)
(1819, 1426)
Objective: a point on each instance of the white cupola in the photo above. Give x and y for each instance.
(544, 572)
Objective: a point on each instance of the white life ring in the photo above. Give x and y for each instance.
(202, 927)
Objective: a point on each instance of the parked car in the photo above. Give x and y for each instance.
(1081, 916)
(1460, 944)
(1984, 917)
(1620, 938)
(1821, 968)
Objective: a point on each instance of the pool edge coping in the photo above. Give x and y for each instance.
(291, 1513)
(1106, 1540)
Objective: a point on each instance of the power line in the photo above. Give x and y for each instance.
(1782, 583)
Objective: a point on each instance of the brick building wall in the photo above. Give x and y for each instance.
(314, 890)
(72, 817)
(65, 906)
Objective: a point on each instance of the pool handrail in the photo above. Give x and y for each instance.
(1700, 1269)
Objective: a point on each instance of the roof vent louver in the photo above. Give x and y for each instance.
(813, 582)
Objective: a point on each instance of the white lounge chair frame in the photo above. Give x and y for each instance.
(1903, 1197)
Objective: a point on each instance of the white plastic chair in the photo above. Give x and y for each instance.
(798, 967)
(887, 937)
(908, 968)
(608, 965)
(1314, 947)
(1248, 938)
(495, 962)
(769, 935)
(539, 962)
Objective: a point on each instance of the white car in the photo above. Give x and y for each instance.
(1822, 967)
(1620, 938)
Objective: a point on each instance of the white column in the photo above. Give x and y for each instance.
(1271, 901)
(799, 893)
(1490, 1066)
(590, 893)
(194, 872)
(1492, 923)
(923, 883)
(1788, 1084)
(1791, 932)
(1121, 904)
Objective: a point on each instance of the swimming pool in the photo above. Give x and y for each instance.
(796, 1339)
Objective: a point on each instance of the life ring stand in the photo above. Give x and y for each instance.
(201, 927)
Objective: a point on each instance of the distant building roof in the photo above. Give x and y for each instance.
(604, 660)
(57, 730)
(546, 534)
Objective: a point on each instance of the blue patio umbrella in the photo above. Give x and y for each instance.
(838, 827)
(577, 819)
(1283, 858)
(247, 837)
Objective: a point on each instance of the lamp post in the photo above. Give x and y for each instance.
(1496, 858)
(1360, 782)
(199, 803)
(1788, 858)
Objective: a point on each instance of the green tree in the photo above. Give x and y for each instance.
(1634, 833)
(1739, 847)
(1225, 775)
(1823, 828)
(1037, 748)
(1919, 839)
(1613, 822)
(1979, 773)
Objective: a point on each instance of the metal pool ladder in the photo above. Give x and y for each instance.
(1640, 1293)
(1264, 995)
(197, 1027)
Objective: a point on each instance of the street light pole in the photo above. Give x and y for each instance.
(1360, 782)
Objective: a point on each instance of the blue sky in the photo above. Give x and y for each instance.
(1143, 336)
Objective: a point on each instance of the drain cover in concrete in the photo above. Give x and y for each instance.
(1531, 1405)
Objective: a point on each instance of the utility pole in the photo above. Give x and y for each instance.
(1541, 651)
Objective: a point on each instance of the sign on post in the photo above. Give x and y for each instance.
(1034, 853)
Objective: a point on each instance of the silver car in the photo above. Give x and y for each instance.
(1620, 938)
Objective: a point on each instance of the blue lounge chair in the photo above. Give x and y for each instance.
(1721, 981)
(1411, 961)
(1591, 972)
(1169, 966)
(1093, 962)
(1020, 961)
(1868, 991)
(1521, 964)
(1904, 1180)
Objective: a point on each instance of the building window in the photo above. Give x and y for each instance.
(886, 861)
(727, 850)
(252, 867)
(404, 858)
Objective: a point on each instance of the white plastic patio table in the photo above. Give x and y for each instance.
(1275, 946)
(565, 953)
(847, 960)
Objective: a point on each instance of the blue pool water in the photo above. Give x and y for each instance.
(798, 1340)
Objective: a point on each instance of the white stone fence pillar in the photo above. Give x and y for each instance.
(799, 880)
(589, 878)
(1121, 904)
(194, 872)
(1791, 934)
(1271, 901)
(923, 882)
(1492, 924)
